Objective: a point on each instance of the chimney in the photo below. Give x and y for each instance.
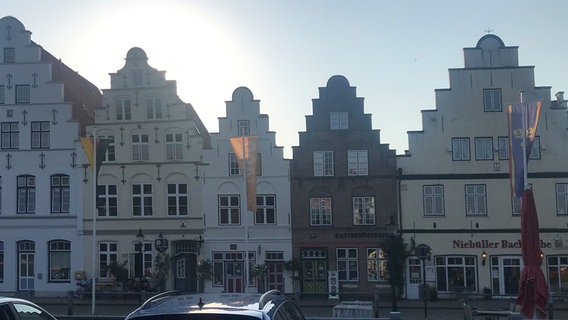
(560, 96)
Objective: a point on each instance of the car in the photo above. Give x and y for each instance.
(172, 305)
(21, 309)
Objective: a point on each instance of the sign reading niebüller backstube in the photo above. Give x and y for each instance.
(486, 244)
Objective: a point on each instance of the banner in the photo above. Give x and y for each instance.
(522, 118)
(246, 148)
(102, 145)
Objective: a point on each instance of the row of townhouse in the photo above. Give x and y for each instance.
(169, 190)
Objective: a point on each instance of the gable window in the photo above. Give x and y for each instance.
(10, 135)
(177, 199)
(320, 211)
(357, 163)
(503, 148)
(535, 149)
(377, 265)
(562, 198)
(123, 109)
(9, 55)
(433, 200)
(2, 95)
(460, 149)
(244, 127)
(363, 211)
(59, 261)
(484, 148)
(40, 134)
(153, 108)
(110, 154)
(475, 199)
(142, 199)
(107, 200)
(265, 209)
(516, 205)
(174, 150)
(338, 120)
(492, 100)
(23, 93)
(229, 209)
(140, 151)
(233, 165)
(60, 194)
(323, 163)
(26, 194)
(347, 264)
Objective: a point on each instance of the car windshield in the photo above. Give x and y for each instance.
(197, 316)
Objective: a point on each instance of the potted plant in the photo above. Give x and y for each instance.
(204, 269)
(161, 272)
(260, 271)
(120, 272)
(294, 266)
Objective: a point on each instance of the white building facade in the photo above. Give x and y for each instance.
(148, 181)
(454, 181)
(234, 233)
(44, 107)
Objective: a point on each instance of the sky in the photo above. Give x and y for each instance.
(396, 53)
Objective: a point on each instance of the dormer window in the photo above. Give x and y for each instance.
(244, 127)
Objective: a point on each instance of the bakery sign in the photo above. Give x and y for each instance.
(501, 244)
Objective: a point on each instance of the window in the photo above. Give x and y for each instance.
(234, 169)
(433, 200)
(475, 199)
(323, 163)
(0, 195)
(229, 209)
(363, 211)
(516, 205)
(265, 209)
(23, 93)
(503, 148)
(107, 200)
(338, 120)
(455, 272)
(320, 211)
(347, 264)
(110, 154)
(9, 55)
(137, 77)
(2, 95)
(557, 273)
(153, 108)
(60, 194)
(177, 199)
(535, 149)
(10, 135)
(483, 148)
(59, 261)
(562, 198)
(377, 267)
(40, 134)
(142, 199)
(174, 150)
(123, 109)
(147, 259)
(492, 100)
(140, 151)
(1, 261)
(357, 163)
(460, 149)
(108, 252)
(244, 127)
(26, 194)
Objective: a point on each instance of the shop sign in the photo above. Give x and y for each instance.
(486, 244)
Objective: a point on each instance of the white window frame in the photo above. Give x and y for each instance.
(26, 187)
(243, 127)
(357, 162)
(60, 193)
(123, 109)
(153, 107)
(475, 199)
(503, 148)
(142, 200)
(140, 147)
(234, 169)
(377, 265)
(265, 209)
(110, 154)
(174, 146)
(10, 135)
(561, 191)
(178, 199)
(433, 200)
(2, 94)
(347, 264)
(461, 149)
(448, 265)
(59, 261)
(108, 252)
(364, 211)
(229, 209)
(40, 134)
(323, 163)
(492, 100)
(107, 200)
(483, 148)
(339, 120)
(22, 93)
(320, 211)
(10, 55)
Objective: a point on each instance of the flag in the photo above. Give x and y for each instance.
(522, 117)
(246, 147)
(102, 145)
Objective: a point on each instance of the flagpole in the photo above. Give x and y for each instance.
(524, 128)
(94, 239)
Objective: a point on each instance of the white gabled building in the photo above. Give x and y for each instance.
(44, 106)
(231, 233)
(454, 186)
(148, 181)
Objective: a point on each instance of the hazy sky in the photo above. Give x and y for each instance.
(395, 52)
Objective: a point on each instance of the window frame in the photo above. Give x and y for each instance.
(243, 127)
(363, 214)
(28, 198)
(174, 146)
(339, 120)
(59, 248)
(483, 148)
(154, 108)
(142, 200)
(475, 196)
(229, 210)
(9, 55)
(323, 163)
(22, 93)
(377, 265)
(2, 94)
(12, 134)
(108, 253)
(60, 193)
(265, 212)
(176, 199)
(107, 199)
(123, 109)
(561, 195)
(435, 198)
(446, 264)
(40, 137)
(358, 162)
(459, 149)
(347, 264)
(321, 211)
(140, 147)
(492, 100)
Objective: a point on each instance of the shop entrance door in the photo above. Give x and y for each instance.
(506, 274)
(315, 276)
(235, 278)
(413, 278)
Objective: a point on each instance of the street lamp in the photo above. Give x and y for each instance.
(140, 243)
(423, 253)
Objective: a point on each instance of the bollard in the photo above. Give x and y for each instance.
(69, 303)
(376, 304)
(395, 315)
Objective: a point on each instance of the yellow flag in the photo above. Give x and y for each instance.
(89, 150)
(247, 148)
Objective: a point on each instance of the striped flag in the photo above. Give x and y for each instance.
(102, 145)
(522, 118)
(246, 147)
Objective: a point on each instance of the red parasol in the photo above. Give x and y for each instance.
(533, 290)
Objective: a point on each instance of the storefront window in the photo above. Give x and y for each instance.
(558, 273)
(455, 273)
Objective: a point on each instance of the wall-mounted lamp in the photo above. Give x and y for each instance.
(483, 257)
(541, 255)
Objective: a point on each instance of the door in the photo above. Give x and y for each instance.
(235, 279)
(26, 271)
(314, 278)
(414, 278)
(275, 276)
(506, 274)
(185, 265)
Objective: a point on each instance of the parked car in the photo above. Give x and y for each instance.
(172, 305)
(20, 309)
